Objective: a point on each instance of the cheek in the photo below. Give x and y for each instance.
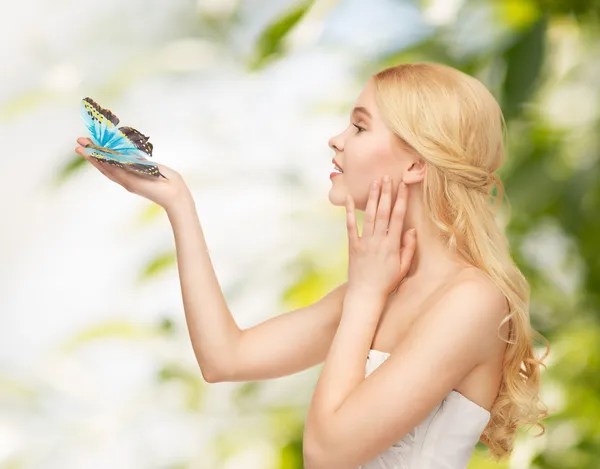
(358, 185)
(370, 161)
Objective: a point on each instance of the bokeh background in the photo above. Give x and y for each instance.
(96, 368)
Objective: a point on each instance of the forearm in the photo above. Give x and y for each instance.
(344, 367)
(213, 331)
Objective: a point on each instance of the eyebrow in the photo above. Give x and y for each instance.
(360, 109)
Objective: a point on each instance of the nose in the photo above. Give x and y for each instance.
(335, 143)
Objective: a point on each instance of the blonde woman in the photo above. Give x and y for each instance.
(427, 348)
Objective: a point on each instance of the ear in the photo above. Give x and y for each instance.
(415, 172)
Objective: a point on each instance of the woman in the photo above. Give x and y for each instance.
(434, 304)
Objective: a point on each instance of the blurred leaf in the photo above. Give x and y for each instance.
(108, 330)
(285, 421)
(229, 442)
(14, 463)
(432, 49)
(191, 379)
(313, 283)
(291, 456)
(287, 425)
(246, 394)
(269, 43)
(150, 213)
(167, 326)
(579, 8)
(73, 165)
(12, 388)
(429, 50)
(158, 264)
(481, 459)
(524, 62)
(518, 14)
(24, 103)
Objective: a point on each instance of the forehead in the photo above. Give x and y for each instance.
(366, 99)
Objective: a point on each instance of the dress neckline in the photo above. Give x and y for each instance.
(454, 391)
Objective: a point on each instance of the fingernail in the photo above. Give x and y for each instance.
(413, 232)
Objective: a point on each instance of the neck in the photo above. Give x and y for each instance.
(432, 258)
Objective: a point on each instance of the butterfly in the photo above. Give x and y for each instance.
(124, 147)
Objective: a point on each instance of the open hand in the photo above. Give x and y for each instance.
(379, 259)
(163, 192)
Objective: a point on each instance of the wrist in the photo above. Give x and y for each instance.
(365, 297)
(366, 291)
(183, 201)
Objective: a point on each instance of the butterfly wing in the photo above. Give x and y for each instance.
(102, 126)
(130, 163)
(137, 139)
(101, 123)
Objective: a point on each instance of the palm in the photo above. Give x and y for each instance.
(161, 191)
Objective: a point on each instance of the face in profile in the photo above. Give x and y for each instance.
(367, 150)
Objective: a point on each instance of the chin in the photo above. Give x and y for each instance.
(337, 197)
(335, 201)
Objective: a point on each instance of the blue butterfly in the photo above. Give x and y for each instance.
(124, 147)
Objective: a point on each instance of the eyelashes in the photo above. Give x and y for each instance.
(360, 129)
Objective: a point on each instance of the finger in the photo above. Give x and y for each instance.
(398, 214)
(102, 167)
(371, 209)
(351, 224)
(409, 245)
(80, 151)
(105, 169)
(382, 218)
(83, 141)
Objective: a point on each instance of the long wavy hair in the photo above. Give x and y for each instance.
(454, 123)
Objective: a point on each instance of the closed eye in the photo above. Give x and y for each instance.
(360, 129)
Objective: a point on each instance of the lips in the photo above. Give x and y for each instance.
(337, 166)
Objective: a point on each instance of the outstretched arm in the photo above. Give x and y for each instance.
(279, 346)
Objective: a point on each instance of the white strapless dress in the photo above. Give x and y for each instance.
(445, 439)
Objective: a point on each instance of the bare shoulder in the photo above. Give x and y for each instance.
(471, 308)
(478, 292)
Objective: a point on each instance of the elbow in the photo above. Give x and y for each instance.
(317, 456)
(312, 457)
(210, 376)
(216, 372)
(213, 374)
(311, 450)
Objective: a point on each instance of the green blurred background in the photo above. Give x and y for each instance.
(96, 369)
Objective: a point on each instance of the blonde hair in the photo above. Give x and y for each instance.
(454, 123)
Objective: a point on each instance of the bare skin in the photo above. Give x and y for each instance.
(366, 153)
(300, 339)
